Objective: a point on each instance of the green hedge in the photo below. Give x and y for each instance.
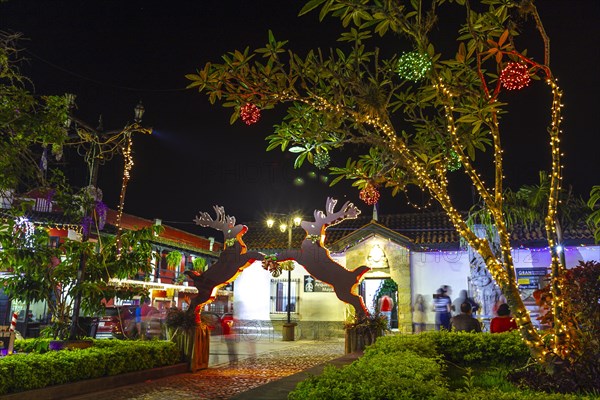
(34, 370)
(413, 367)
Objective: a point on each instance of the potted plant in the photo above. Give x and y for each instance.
(199, 264)
(181, 327)
(174, 259)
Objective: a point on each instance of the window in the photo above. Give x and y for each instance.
(279, 296)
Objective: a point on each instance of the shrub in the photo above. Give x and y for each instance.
(21, 372)
(422, 345)
(401, 375)
(473, 349)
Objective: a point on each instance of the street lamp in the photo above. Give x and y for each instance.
(98, 147)
(286, 224)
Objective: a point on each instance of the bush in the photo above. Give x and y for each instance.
(38, 369)
(480, 349)
(400, 375)
(414, 366)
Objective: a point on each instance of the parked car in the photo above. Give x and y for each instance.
(118, 322)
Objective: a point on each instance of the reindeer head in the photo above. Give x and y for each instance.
(223, 223)
(323, 220)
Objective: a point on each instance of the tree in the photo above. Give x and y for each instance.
(594, 218)
(42, 273)
(76, 275)
(29, 124)
(416, 117)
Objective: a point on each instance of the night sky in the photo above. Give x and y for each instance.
(112, 54)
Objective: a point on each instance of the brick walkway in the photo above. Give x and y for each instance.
(253, 365)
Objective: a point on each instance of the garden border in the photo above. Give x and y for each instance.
(88, 386)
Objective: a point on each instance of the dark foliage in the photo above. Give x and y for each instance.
(580, 369)
(581, 377)
(185, 320)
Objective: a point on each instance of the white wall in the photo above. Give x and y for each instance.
(252, 290)
(430, 270)
(540, 257)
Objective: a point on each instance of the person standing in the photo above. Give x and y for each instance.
(441, 306)
(419, 316)
(503, 322)
(386, 304)
(462, 298)
(464, 322)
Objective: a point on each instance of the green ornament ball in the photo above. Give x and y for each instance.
(414, 66)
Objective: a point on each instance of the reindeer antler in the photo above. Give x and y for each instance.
(204, 219)
(347, 211)
(223, 223)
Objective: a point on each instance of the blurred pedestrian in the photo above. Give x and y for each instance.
(419, 314)
(503, 322)
(464, 322)
(147, 312)
(231, 338)
(463, 297)
(441, 306)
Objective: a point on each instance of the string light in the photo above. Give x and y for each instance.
(322, 160)
(250, 113)
(414, 66)
(369, 194)
(515, 76)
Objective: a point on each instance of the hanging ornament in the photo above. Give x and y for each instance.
(250, 113)
(322, 160)
(515, 76)
(454, 163)
(271, 265)
(413, 66)
(370, 194)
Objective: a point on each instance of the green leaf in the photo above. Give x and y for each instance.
(311, 5)
(296, 149)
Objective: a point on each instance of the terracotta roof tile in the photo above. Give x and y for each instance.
(426, 230)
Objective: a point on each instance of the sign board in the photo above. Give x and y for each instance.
(312, 285)
(530, 278)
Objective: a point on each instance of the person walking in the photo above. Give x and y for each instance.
(441, 306)
(503, 322)
(464, 322)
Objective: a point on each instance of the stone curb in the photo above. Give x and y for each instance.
(88, 386)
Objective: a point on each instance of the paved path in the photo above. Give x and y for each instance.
(234, 369)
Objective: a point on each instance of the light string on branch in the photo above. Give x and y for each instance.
(250, 113)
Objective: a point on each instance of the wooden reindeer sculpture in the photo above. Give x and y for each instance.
(316, 260)
(232, 261)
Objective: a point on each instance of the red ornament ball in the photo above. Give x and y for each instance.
(515, 76)
(369, 195)
(250, 113)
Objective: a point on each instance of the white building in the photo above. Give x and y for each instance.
(419, 252)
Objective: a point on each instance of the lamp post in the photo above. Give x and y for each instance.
(286, 225)
(99, 147)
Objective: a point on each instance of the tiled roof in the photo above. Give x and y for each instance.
(170, 236)
(534, 235)
(424, 230)
(432, 230)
